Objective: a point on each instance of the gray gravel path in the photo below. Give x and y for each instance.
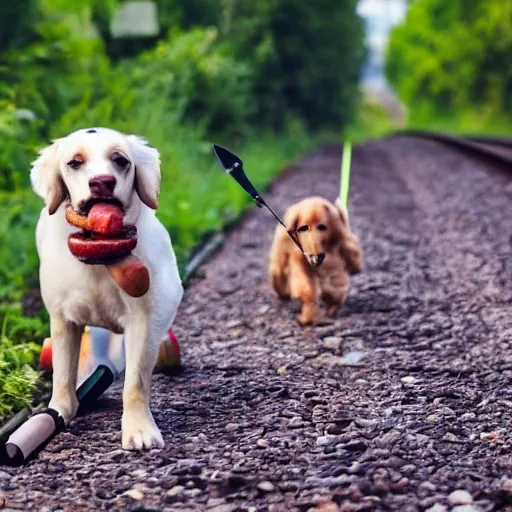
(403, 403)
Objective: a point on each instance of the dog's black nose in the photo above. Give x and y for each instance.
(320, 258)
(102, 186)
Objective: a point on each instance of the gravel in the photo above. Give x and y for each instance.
(268, 415)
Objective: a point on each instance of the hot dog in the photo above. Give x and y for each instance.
(131, 275)
(103, 218)
(105, 241)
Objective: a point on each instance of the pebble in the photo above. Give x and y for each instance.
(409, 379)
(333, 429)
(428, 486)
(262, 443)
(437, 508)
(139, 473)
(365, 423)
(282, 371)
(296, 422)
(266, 486)
(460, 497)
(451, 437)
(225, 507)
(323, 440)
(174, 493)
(353, 357)
(507, 485)
(326, 506)
(468, 416)
(332, 342)
(4, 475)
(135, 494)
(466, 508)
(231, 427)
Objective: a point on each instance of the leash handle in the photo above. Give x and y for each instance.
(345, 173)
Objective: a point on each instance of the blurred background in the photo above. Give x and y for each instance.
(270, 79)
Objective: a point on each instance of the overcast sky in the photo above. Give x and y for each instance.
(394, 10)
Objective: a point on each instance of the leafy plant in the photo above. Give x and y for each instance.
(452, 57)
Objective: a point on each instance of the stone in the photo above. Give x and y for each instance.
(332, 342)
(135, 494)
(460, 497)
(437, 508)
(466, 508)
(266, 486)
(174, 494)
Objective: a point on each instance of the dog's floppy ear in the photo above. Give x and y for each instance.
(342, 213)
(46, 179)
(147, 170)
(291, 220)
(350, 249)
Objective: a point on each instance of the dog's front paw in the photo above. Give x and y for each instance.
(66, 404)
(141, 433)
(308, 317)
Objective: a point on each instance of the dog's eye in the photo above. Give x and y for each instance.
(75, 164)
(303, 228)
(322, 227)
(120, 160)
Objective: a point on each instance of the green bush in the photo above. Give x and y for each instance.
(452, 56)
(306, 58)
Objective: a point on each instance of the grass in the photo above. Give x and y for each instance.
(196, 198)
(372, 122)
(468, 121)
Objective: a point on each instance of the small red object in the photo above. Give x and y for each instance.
(169, 354)
(45, 359)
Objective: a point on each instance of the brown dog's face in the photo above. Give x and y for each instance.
(317, 224)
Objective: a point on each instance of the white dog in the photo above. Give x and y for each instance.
(76, 294)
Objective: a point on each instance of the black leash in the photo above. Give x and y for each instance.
(233, 166)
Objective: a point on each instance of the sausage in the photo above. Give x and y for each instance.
(103, 218)
(105, 241)
(96, 250)
(131, 275)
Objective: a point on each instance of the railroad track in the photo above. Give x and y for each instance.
(497, 150)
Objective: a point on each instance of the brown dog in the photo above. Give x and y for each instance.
(331, 253)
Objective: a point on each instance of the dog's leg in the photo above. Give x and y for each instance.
(141, 346)
(334, 296)
(303, 287)
(65, 338)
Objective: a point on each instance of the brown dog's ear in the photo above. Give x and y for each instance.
(349, 247)
(46, 179)
(291, 220)
(147, 170)
(342, 213)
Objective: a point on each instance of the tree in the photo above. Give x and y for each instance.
(306, 57)
(453, 54)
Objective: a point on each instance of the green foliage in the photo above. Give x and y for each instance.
(18, 379)
(306, 57)
(448, 56)
(199, 81)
